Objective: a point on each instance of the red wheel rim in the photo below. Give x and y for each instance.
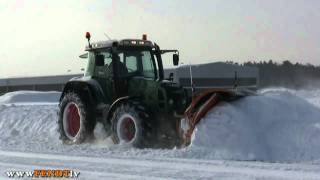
(73, 120)
(129, 129)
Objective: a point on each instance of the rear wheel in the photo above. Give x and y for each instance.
(71, 120)
(76, 122)
(130, 126)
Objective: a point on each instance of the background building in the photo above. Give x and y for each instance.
(212, 75)
(41, 83)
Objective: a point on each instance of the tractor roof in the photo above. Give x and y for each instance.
(124, 42)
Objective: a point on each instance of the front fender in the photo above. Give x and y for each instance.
(115, 104)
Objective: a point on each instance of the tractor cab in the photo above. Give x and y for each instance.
(129, 67)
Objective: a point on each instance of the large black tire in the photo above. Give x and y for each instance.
(131, 126)
(76, 119)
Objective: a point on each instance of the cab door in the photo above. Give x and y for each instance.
(142, 74)
(103, 74)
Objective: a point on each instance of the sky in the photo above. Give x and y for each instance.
(45, 37)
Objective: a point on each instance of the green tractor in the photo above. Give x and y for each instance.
(124, 88)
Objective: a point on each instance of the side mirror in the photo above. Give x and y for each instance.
(99, 60)
(175, 58)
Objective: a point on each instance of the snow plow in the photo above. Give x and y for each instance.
(124, 88)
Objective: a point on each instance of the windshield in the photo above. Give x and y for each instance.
(139, 62)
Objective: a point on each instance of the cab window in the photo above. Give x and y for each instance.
(130, 60)
(148, 66)
(139, 62)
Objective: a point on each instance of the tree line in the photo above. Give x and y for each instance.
(285, 74)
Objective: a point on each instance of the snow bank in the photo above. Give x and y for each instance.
(28, 127)
(274, 126)
(311, 95)
(30, 97)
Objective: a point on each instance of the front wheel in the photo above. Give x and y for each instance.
(130, 126)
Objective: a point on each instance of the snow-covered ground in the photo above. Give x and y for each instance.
(274, 135)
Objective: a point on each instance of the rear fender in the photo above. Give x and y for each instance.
(85, 88)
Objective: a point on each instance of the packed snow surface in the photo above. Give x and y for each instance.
(277, 125)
